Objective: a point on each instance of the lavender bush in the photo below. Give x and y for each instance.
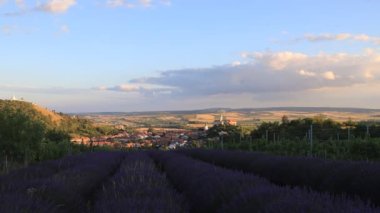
(65, 190)
(209, 188)
(139, 186)
(338, 177)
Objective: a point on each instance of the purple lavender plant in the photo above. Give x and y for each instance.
(138, 186)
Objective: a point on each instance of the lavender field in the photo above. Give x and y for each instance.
(190, 181)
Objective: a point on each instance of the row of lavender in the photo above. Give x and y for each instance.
(337, 177)
(131, 182)
(63, 185)
(209, 188)
(139, 186)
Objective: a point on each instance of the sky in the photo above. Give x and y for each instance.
(148, 55)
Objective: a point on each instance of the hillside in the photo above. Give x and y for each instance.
(30, 110)
(51, 120)
(29, 132)
(53, 116)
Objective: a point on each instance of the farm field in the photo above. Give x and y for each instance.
(190, 181)
(198, 118)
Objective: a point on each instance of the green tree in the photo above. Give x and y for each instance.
(20, 133)
(233, 132)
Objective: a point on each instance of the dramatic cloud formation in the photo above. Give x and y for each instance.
(265, 72)
(340, 37)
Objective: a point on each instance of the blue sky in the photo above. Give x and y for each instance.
(115, 55)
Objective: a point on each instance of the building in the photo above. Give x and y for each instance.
(232, 122)
(206, 127)
(222, 121)
(16, 99)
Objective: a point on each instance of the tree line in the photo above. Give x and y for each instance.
(318, 136)
(319, 128)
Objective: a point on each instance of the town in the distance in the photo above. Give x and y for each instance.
(175, 129)
(170, 130)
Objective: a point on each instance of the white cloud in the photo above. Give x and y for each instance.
(119, 3)
(329, 75)
(266, 72)
(307, 73)
(327, 36)
(278, 61)
(236, 63)
(341, 37)
(136, 3)
(146, 89)
(57, 6)
(368, 74)
(340, 79)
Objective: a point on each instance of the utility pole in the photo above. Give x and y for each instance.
(6, 164)
(250, 142)
(222, 143)
(367, 136)
(311, 139)
(221, 134)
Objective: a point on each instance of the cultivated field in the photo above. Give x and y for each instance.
(186, 181)
(250, 117)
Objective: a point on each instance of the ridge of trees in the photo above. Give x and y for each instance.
(323, 129)
(318, 136)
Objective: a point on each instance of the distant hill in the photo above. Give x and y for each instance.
(243, 110)
(312, 109)
(244, 116)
